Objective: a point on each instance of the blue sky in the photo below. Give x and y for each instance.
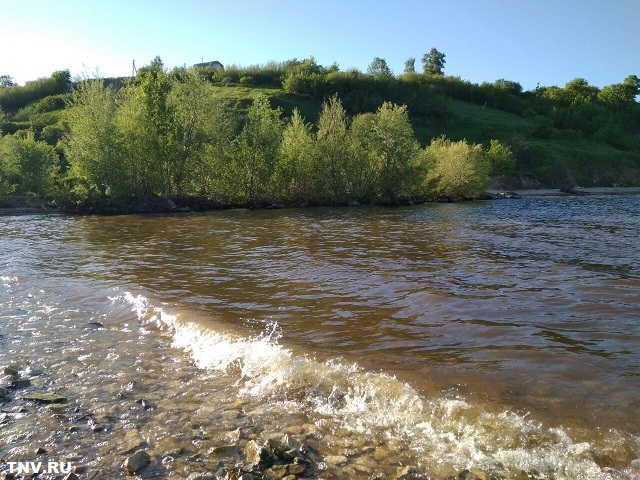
(549, 42)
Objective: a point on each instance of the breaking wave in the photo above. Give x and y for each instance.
(446, 432)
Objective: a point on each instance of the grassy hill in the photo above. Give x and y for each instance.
(554, 156)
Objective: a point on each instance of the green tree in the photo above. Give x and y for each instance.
(410, 65)
(360, 170)
(433, 62)
(620, 94)
(191, 103)
(499, 156)
(579, 92)
(257, 150)
(214, 177)
(93, 147)
(297, 175)
(28, 165)
(332, 140)
(395, 150)
(379, 68)
(455, 169)
(146, 121)
(6, 81)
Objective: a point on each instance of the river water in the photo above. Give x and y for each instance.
(501, 335)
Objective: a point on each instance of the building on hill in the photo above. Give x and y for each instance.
(215, 64)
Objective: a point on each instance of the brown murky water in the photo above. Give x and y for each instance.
(501, 334)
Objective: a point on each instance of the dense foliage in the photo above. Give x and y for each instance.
(169, 136)
(182, 133)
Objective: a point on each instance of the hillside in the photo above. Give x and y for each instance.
(576, 135)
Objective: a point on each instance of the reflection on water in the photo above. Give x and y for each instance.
(528, 306)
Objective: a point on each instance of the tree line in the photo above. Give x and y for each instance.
(166, 133)
(610, 114)
(169, 135)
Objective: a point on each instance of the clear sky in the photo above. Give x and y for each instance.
(549, 42)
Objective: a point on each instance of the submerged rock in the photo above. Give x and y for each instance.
(45, 398)
(406, 473)
(21, 383)
(137, 461)
(12, 370)
(336, 460)
(473, 474)
(257, 454)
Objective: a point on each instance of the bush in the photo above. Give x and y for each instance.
(455, 169)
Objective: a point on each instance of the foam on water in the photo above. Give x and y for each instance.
(446, 433)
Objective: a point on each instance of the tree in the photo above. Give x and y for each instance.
(433, 62)
(146, 120)
(214, 176)
(410, 65)
(6, 81)
(191, 103)
(360, 170)
(29, 165)
(258, 145)
(395, 150)
(499, 156)
(455, 169)
(333, 147)
(579, 92)
(508, 86)
(621, 93)
(94, 148)
(379, 68)
(297, 175)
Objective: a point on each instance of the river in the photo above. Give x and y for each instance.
(501, 335)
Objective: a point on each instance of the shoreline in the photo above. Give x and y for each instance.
(19, 205)
(577, 191)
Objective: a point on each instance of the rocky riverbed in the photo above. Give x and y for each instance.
(138, 432)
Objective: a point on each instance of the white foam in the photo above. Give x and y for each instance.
(447, 433)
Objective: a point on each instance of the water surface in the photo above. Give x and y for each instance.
(495, 334)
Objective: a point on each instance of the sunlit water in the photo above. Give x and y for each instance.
(502, 335)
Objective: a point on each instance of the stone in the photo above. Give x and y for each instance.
(94, 325)
(366, 462)
(224, 451)
(291, 442)
(170, 446)
(406, 473)
(473, 474)
(336, 459)
(45, 397)
(71, 476)
(381, 453)
(137, 461)
(20, 382)
(41, 450)
(277, 448)
(281, 471)
(12, 370)
(7, 381)
(146, 404)
(202, 476)
(257, 454)
(4, 392)
(132, 441)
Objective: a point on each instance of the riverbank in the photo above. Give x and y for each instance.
(25, 205)
(28, 205)
(553, 192)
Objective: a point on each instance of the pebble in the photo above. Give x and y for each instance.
(336, 459)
